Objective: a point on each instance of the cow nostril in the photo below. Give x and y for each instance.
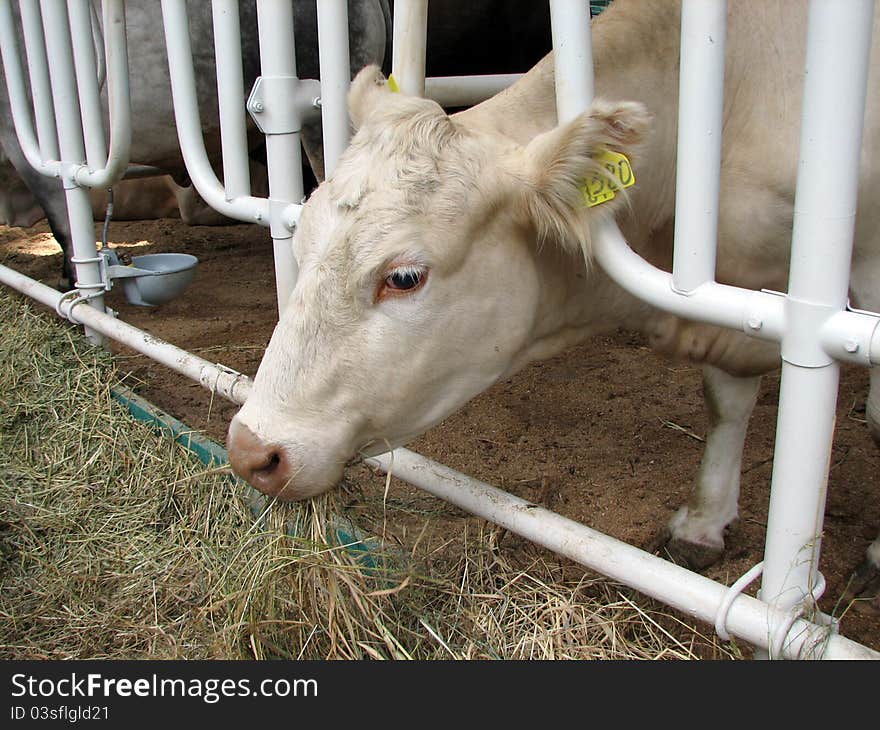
(270, 466)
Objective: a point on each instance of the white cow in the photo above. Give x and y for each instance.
(445, 253)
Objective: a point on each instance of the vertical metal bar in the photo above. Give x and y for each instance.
(38, 68)
(573, 57)
(61, 73)
(698, 170)
(19, 103)
(105, 168)
(70, 138)
(188, 121)
(85, 64)
(283, 151)
(410, 28)
(333, 53)
(118, 98)
(838, 53)
(230, 96)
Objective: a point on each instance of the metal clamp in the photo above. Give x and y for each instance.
(72, 298)
(743, 582)
(780, 632)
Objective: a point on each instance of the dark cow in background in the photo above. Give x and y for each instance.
(480, 37)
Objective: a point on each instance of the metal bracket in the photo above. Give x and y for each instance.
(280, 104)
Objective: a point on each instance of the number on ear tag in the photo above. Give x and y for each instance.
(598, 188)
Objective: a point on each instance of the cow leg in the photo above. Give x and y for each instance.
(696, 531)
(864, 585)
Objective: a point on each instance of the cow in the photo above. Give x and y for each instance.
(133, 200)
(18, 207)
(445, 253)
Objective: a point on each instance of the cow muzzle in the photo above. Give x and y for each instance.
(268, 467)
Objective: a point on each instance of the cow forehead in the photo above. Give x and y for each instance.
(408, 163)
(339, 236)
(383, 200)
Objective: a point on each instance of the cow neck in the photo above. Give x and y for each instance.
(635, 56)
(635, 52)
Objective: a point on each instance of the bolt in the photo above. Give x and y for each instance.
(754, 323)
(257, 107)
(851, 346)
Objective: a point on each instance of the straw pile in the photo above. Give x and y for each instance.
(117, 543)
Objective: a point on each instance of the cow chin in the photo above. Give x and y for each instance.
(276, 469)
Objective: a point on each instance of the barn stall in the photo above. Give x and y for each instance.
(690, 593)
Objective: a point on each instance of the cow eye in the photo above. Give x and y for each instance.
(404, 279)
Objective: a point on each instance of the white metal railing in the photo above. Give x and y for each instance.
(69, 141)
(690, 291)
(811, 323)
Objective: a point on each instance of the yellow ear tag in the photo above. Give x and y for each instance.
(598, 188)
(392, 84)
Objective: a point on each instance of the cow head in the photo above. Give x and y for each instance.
(419, 282)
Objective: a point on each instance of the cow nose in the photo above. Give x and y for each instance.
(264, 465)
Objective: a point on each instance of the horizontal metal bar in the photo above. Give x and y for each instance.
(454, 91)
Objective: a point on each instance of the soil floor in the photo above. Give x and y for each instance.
(607, 434)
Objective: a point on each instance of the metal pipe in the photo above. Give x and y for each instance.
(230, 95)
(283, 148)
(408, 46)
(70, 138)
(847, 336)
(759, 314)
(333, 54)
(189, 130)
(38, 69)
(85, 64)
(454, 91)
(216, 378)
(63, 95)
(683, 589)
(19, 101)
(573, 57)
(118, 98)
(822, 239)
(700, 119)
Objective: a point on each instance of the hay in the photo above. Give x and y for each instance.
(117, 543)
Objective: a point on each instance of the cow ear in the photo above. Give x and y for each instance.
(369, 91)
(558, 163)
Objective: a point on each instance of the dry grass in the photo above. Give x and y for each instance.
(117, 543)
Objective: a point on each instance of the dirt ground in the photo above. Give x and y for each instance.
(607, 434)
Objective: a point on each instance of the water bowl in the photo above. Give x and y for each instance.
(156, 278)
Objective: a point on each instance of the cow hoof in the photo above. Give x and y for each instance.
(687, 553)
(863, 591)
(693, 555)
